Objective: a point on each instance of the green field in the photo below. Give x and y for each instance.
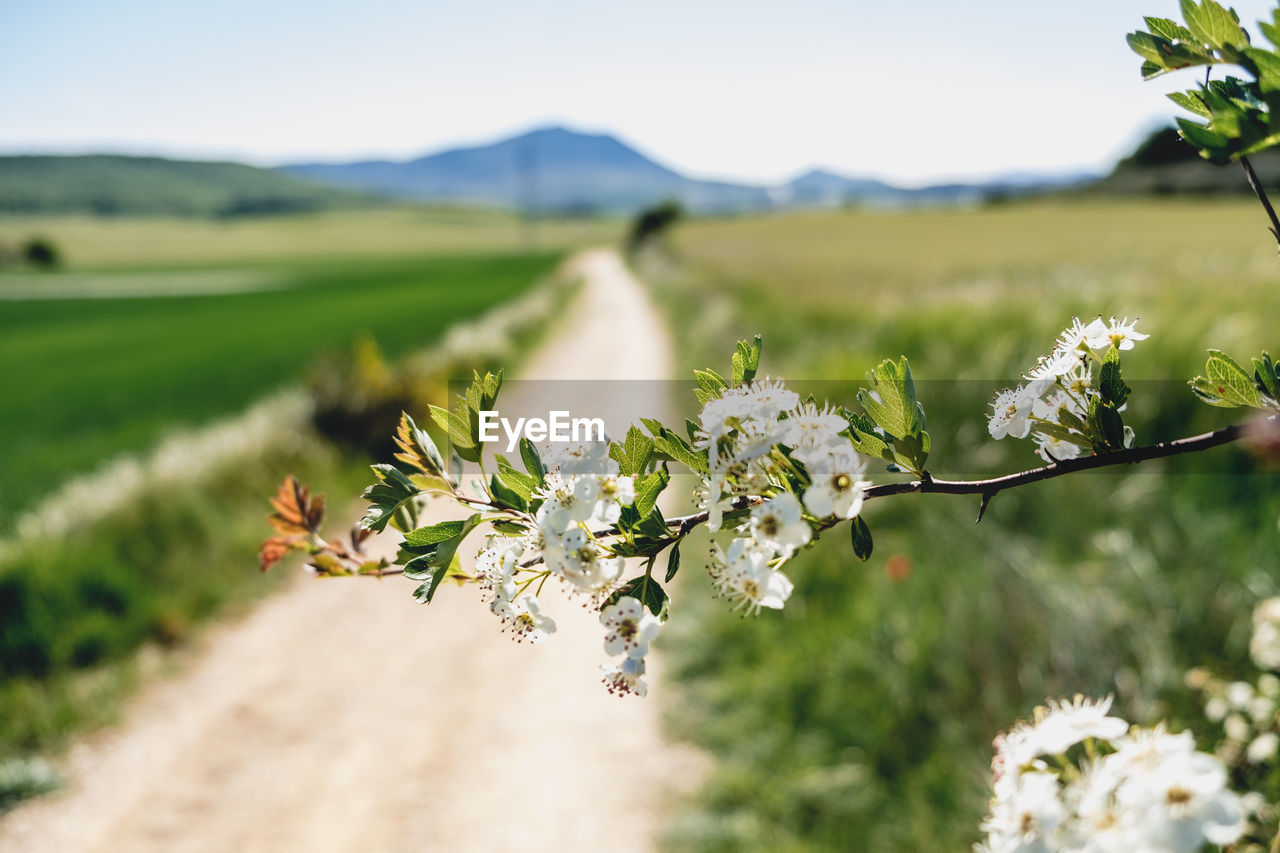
(208, 332)
(162, 324)
(861, 716)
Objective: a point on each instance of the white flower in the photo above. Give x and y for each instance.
(560, 507)
(1263, 748)
(811, 432)
(769, 398)
(1028, 819)
(624, 678)
(1061, 724)
(574, 458)
(1057, 363)
(1181, 801)
(838, 486)
(746, 578)
(1264, 646)
(1011, 413)
(581, 561)
(524, 618)
(496, 564)
(1056, 449)
(629, 628)
(603, 497)
(1120, 334)
(779, 524)
(1074, 338)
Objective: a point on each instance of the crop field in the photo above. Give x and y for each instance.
(407, 232)
(159, 325)
(103, 362)
(866, 708)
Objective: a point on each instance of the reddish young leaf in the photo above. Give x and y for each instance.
(296, 513)
(276, 549)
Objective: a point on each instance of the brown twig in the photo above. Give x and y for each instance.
(1262, 197)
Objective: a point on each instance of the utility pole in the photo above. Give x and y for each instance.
(527, 190)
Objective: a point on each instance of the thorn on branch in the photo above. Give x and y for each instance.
(982, 507)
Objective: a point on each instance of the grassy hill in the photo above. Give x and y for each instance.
(111, 185)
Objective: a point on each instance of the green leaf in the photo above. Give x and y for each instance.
(677, 449)
(482, 393)
(1212, 146)
(517, 481)
(432, 575)
(432, 551)
(633, 453)
(864, 438)
(459, 430)
(1228, 382)
(1211, 23)
(891, 400)
(746, 361)
(648, 489)
(711, 382)
(434, 534)
(673, 559)
(1191, 102)
(861, 536)
(647, 591)
(509, 528)
(390, 498)
(1111, 384)
(653, 524)
(1264, 374)
(507, 496)
(1167, 29)
(418, 450)
(532, 461)
(1106, 426)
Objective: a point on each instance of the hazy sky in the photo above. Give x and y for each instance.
(911, 91)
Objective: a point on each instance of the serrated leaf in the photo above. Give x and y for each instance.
(418, 450)
(296, 512)
(648, 488)
(432, 575)
(1111, 384)
(652, 524)
(1147, 46)
(1230, 381)
(433, 552)
(1264, 374)
(1191, 102)
(1212, 146)
(891, 401)
(633, 453)
(1209, 22)
(746, 361)
(532, 461)
(861, 537)
(506, 496)
(710, 381)
(1167, 29)
(865, 440)
(392, 493)
(674, 447)
(458, 430)
(673, 559)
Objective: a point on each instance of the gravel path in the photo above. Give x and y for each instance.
(342, 716)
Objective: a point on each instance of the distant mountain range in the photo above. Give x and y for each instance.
(563, 171)
(114, 185)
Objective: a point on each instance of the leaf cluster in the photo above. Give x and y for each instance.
(1229, 386)
(1237, 116)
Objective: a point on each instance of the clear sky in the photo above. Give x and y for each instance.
(909, 91)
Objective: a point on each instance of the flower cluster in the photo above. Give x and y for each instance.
(765, 446)
(1077, 779)
(629, 629)
(582, 493)
(1059, 404)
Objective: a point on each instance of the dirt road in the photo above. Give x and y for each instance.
(342, 716)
